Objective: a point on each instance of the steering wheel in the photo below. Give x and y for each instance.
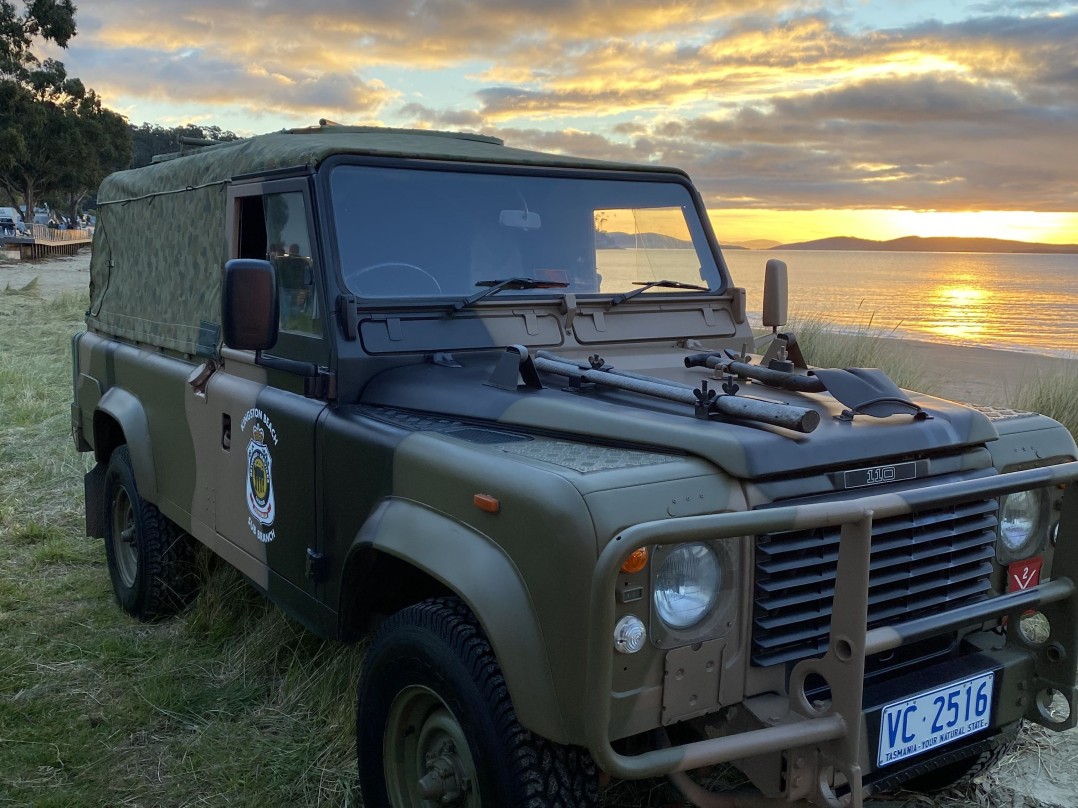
(391, 278)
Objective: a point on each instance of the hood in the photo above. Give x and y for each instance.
(744, 449)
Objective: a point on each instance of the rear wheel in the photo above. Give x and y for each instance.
(150, 560)
(435, 725)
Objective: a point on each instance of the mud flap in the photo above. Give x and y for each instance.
(94, 484)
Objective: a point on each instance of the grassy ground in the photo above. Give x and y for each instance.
(231, 704)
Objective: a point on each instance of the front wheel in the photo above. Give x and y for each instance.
(435, 725)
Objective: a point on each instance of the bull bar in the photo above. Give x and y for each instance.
(836, 729)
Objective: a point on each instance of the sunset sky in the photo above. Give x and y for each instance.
(797, 120)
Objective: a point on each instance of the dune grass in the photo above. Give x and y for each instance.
(1054, 394)
(231, 704)
(862, 347)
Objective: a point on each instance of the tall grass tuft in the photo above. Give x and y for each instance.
(1055, 394)
(864, 347)
(30, 288)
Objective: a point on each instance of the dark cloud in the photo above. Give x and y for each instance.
(911, 143)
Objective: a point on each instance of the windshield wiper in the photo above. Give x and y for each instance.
(645, 285)
(496, 285)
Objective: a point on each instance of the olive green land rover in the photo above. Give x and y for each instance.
(505, 410)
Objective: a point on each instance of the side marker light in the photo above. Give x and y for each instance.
(486, 502)
(629, 635)
(636, 562)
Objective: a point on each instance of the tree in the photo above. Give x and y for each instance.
(56, 139)
(57, 143)
(47, 20)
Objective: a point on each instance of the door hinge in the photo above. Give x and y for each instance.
(317, 566)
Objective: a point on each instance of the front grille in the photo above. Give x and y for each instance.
(922, 563)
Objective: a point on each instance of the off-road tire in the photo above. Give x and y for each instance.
(439, 645)
(156, 577)
(965, 769)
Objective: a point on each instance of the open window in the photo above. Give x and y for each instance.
(273, 224)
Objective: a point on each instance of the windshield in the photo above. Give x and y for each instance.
(432, 233)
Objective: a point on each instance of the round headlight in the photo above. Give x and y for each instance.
(1018, 519)
(687, 585)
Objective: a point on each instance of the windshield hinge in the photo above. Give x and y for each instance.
(570, 310)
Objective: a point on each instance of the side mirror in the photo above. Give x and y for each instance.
(249, 304)
(776, 293)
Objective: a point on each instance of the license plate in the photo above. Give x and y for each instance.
(935, 718)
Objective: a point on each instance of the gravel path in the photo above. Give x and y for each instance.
(54, 275)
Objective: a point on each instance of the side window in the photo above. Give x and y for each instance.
(274, 227)
(288, 246)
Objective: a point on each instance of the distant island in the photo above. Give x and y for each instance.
(938, 244)
(656, 241)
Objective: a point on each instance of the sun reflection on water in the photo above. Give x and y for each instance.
(959, 312)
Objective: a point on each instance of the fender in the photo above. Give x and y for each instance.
(484, 577)
(129, 413)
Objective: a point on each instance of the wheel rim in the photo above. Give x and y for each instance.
(124, 544)
(427, 759)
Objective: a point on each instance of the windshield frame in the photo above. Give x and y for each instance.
(324, 178)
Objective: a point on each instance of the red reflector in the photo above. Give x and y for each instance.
(485, 502)
(1024, 574)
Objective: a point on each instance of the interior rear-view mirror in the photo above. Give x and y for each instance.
(523, 219)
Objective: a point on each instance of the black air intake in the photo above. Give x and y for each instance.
(922, 563)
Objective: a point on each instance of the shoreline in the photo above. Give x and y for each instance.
(972, 374)
(965, 373)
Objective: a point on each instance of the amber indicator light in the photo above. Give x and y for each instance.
(485, 502)
(637, 561)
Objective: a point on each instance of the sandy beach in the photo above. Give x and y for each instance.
(968, 374)
(979, 375)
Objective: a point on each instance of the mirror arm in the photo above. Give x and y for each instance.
(297, 368)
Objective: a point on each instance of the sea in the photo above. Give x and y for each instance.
(1014, 302)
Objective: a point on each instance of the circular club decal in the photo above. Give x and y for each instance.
(260, 501)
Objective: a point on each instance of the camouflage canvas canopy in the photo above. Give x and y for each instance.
(161, 243)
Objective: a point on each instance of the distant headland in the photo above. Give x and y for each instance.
(919, 244)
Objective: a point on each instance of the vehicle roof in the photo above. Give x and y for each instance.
(160, 240)
(309, 147)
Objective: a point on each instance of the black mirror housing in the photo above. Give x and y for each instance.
(249, 304)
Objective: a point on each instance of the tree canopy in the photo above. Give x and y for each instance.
(149, 140)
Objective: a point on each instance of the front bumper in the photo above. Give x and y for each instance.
(830, 740)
